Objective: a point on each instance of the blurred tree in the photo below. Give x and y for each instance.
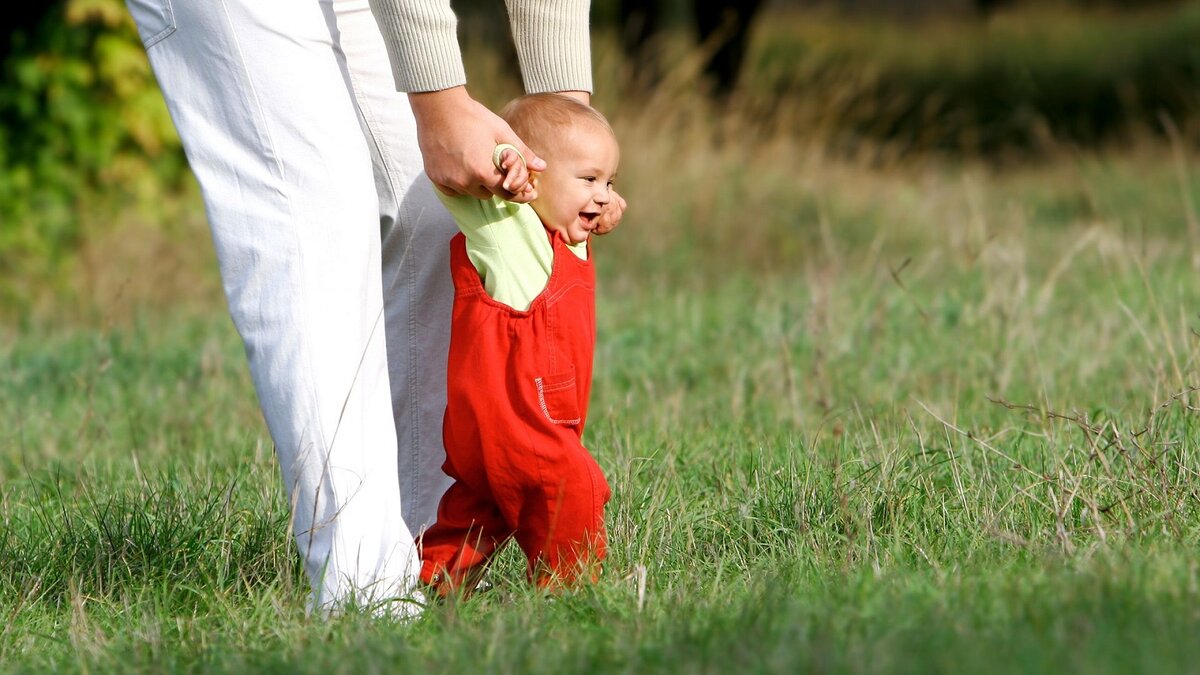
(728, 23)
(988, 7)
(23, 20)
(80, 116)
(1130, 4)
(936, 8)
(721, 25)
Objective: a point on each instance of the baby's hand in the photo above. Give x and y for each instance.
(610, 216)
(511, 164)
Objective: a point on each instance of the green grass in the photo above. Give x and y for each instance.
(927, 418)
(858, 414)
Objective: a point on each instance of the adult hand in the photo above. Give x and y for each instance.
(456, 135)
(610, 216)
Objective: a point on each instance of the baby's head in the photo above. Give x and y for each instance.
(581, 154)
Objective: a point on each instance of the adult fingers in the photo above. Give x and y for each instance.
(456, 135)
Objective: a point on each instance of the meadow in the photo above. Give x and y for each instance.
(861, 412)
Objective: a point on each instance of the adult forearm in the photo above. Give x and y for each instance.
(551, 37)
(553, 44)
(422, 43)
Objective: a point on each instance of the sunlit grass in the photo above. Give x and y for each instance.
(854, 419)
(860, 414)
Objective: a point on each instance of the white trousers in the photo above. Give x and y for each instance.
(329, 237)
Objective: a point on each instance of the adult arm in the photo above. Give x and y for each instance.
(551, 37)
(455, 132)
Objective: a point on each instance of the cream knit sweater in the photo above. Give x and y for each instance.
(551, 37)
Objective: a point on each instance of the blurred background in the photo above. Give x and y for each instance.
(714, 100)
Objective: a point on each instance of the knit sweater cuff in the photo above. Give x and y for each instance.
(553, 44)
(422, 43)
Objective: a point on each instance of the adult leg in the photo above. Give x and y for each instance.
(417, 289)
(272, 134)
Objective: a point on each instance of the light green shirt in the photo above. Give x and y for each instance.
(507, 244)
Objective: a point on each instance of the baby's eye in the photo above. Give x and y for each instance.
(589, 179)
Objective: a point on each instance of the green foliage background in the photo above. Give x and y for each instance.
(85, 135)
(1012, 84)
(83, 128)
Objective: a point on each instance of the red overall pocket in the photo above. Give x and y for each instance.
(558, 397)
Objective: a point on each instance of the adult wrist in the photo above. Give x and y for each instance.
(426, 103)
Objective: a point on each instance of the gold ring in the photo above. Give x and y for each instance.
(498, 154)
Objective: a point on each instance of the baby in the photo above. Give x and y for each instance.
(520, 367)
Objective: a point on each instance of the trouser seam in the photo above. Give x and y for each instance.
(407, 274)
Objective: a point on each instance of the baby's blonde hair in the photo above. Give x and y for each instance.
(539, 119)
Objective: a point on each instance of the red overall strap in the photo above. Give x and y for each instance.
(554, 336)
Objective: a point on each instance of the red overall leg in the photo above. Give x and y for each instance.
(456, 549)
(559, 510)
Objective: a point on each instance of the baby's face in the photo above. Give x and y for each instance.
(577, 182)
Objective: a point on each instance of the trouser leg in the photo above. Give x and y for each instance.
(541, 480)
(418, 291)
(560, 513)
(273, 137)
(468, 532)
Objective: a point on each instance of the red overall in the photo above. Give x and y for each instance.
(518, 385)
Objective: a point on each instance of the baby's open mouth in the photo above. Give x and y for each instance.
(589, 219)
